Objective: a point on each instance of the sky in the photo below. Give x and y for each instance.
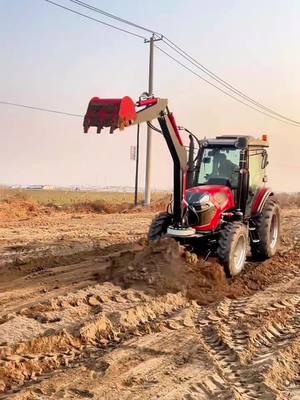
(53, 59)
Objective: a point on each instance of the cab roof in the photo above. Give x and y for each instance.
(231, 140)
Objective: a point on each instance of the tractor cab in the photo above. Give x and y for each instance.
(224, 174)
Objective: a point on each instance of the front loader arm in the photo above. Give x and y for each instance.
(122, 113)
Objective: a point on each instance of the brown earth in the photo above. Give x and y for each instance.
(89, 310)
(21, 207)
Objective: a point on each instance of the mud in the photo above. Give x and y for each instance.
(166, 267)
(103, 315)
(20, 207)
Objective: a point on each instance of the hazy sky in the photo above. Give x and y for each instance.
(51, 58)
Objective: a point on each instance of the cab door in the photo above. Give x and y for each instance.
(258, 161)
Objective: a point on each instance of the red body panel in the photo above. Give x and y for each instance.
(147, 102)
(260, 200)
(223, 200)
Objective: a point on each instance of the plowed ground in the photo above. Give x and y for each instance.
(89, 310)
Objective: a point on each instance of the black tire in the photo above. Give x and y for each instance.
(232, 249)
(269, 240)
(159, 226)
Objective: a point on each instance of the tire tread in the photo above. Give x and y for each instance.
(227, 237)
(159, 226)
(261, 250)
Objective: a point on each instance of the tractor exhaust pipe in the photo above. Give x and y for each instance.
(190, 171)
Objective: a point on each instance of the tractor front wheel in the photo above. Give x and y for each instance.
(159, 226)
(232, 249)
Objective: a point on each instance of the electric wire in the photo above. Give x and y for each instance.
(267, 111)
(190, 59)
(221, 81)
(73, 115)
(222, 90)
(40, 109)
(109, 15)
(96, 20)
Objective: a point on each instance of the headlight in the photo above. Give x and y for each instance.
(198, 199)
(205, 199)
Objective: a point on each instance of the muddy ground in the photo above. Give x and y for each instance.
(88, 310)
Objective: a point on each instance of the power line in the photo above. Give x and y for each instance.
(74, 115)
(96, 20)
(193, 61)
(196, 63)
(109, 15)
(40, 109)
(220, 89)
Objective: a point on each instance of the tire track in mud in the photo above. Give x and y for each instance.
(243, 346)
(241, 381)
(255, 343)
(56, 348)
(44, 278)
(284, 374)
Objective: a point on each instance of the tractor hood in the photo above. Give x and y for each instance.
(206, 204)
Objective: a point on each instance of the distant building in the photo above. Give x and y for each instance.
(48, 187)
(39, 187)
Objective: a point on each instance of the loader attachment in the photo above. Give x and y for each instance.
(120, 113)
(112, 113)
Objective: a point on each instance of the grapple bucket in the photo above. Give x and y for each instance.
(112, 113)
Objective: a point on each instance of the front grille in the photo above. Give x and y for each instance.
(204, 215)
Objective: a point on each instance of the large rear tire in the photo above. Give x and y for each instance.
(159, 226)
(232, 250)
(268, 229)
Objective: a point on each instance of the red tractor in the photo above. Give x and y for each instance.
(220, 201)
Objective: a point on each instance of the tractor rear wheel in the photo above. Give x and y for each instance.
(232, 250)
(159, 226)
(268, 230)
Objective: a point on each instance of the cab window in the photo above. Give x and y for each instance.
(256, 169)
(219, 165)
(257, 175)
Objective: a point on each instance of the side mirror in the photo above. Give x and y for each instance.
(264, 161)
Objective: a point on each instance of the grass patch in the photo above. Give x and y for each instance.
(78, 201)
(289, 200)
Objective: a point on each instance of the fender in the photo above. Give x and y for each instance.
(260, 200)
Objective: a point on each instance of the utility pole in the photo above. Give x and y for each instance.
(137, 157)
(149, 130)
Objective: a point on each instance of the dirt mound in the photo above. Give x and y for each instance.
(99, 206)
(166, 267)
(160, 204)
(16, 208)
(19, 208)
(105, 207)
(97, 317)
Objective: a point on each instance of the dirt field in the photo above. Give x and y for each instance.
(88, 310)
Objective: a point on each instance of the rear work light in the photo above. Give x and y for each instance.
(112, 113)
